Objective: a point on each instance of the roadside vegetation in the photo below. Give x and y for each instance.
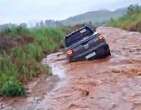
(131, 21)
(21, 50)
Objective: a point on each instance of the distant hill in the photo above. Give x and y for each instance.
(95, 17)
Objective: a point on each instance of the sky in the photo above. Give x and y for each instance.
(18, 11)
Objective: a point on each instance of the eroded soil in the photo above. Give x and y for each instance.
(113, 83)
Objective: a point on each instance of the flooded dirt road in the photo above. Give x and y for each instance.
(113, 83)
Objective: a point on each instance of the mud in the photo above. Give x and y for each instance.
(7, 42)
(113, 83)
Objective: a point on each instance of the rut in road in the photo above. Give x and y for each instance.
(113, 83)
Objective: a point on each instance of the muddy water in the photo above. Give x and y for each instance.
(113, 83)
(53, 61)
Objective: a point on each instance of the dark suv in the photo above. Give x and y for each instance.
(86, 44)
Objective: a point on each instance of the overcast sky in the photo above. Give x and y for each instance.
(16, 11)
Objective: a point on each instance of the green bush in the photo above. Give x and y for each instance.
(9, 84)
(12, 88)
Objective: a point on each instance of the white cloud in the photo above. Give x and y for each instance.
(27, 10)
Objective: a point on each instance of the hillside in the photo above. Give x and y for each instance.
(95, 17)
(130, 21)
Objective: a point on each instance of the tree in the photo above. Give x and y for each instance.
(134, 9)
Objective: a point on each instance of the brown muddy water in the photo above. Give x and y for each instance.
(113, 83)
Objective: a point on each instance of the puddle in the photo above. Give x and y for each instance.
(56, 64)
(59, 71)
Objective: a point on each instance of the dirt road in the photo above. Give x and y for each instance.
(113, 83)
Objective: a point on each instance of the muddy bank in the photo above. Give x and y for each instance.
(113, 83)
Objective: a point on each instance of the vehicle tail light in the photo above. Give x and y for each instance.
(69, 52)
(101, 37)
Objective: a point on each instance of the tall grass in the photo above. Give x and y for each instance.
(22, 63)
(48, 38)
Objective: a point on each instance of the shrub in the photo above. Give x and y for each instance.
(12, 88)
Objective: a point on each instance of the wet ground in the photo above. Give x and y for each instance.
(113, 83)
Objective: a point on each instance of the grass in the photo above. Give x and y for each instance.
(131, 21)
(22, 63)
(48, 38)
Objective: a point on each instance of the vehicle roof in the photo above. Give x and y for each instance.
(73, 32)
